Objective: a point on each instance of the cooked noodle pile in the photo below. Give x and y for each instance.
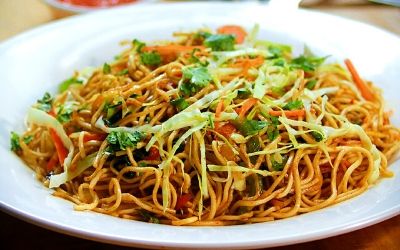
(214, 128)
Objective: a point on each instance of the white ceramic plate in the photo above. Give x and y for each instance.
(38, 60)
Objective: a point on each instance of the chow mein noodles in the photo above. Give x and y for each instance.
(213, 128)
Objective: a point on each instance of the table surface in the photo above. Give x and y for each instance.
(19, 15)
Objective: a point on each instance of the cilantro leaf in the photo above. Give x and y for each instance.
(106, 68)
(250, 127)
(122, 72)
(28, 139)
(180, 103)
(150, 58)
(45, 103)
(307, 64)
(64, 114)
(65, 84)
(311, 84)
(194, 79)
(14, 140)
(244, 93)
(138, 45)
(147, 216)
(293, 105)
(220, 42)
(120, 140)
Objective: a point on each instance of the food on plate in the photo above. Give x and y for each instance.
(213, 128)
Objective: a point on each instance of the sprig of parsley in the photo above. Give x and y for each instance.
(64, 114)
(180, 103)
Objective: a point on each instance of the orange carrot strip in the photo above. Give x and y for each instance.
(226, 130)
(154, 154)
(236, 30)
(248, 104)
(52, 163)
(62, 152)
(219, 109)
(364, 89)
(288, 113)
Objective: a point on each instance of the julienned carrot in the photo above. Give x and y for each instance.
(239, 33)
(364, 89)
(52, 163)
(226, 130)
(219, 109)
(62, 152)
(249, 62)
(247, 105)
(288, 113)
(96, 137)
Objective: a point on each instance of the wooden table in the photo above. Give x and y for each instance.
(19, 15)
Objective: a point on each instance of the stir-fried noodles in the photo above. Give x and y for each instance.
(214, 128)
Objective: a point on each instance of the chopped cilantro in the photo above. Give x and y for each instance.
(14, 140)
(150, 58)
(318, 136)
(45, 103)
(147, 216)
(180, 103)
(279, 166)
(138, 45)
(244, 93)
(194, 79)
(250, 127)
(120, 140)
(65, 84)
(64, 114)
(122, 72)
(307, 64)
(311, 84)
(220, 42)
(28, 139)
(292, 105)
(106, 68)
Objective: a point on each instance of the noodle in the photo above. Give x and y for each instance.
(205, 132)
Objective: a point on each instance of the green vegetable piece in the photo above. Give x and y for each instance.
(279, 166)
(122, 72)
(65, 84)
(14, 140)
(138, 45)
(244, 93)
(180, 103)
(220, 42)
(64, 114)
(149, 217)
(194, 79)
(318, 136)
(28, 139)
(120, 140)
(308, 64)
(250, 127)
(293, 105)
(45, 103)
(150, 58)
(311, 84)
(106, 68)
